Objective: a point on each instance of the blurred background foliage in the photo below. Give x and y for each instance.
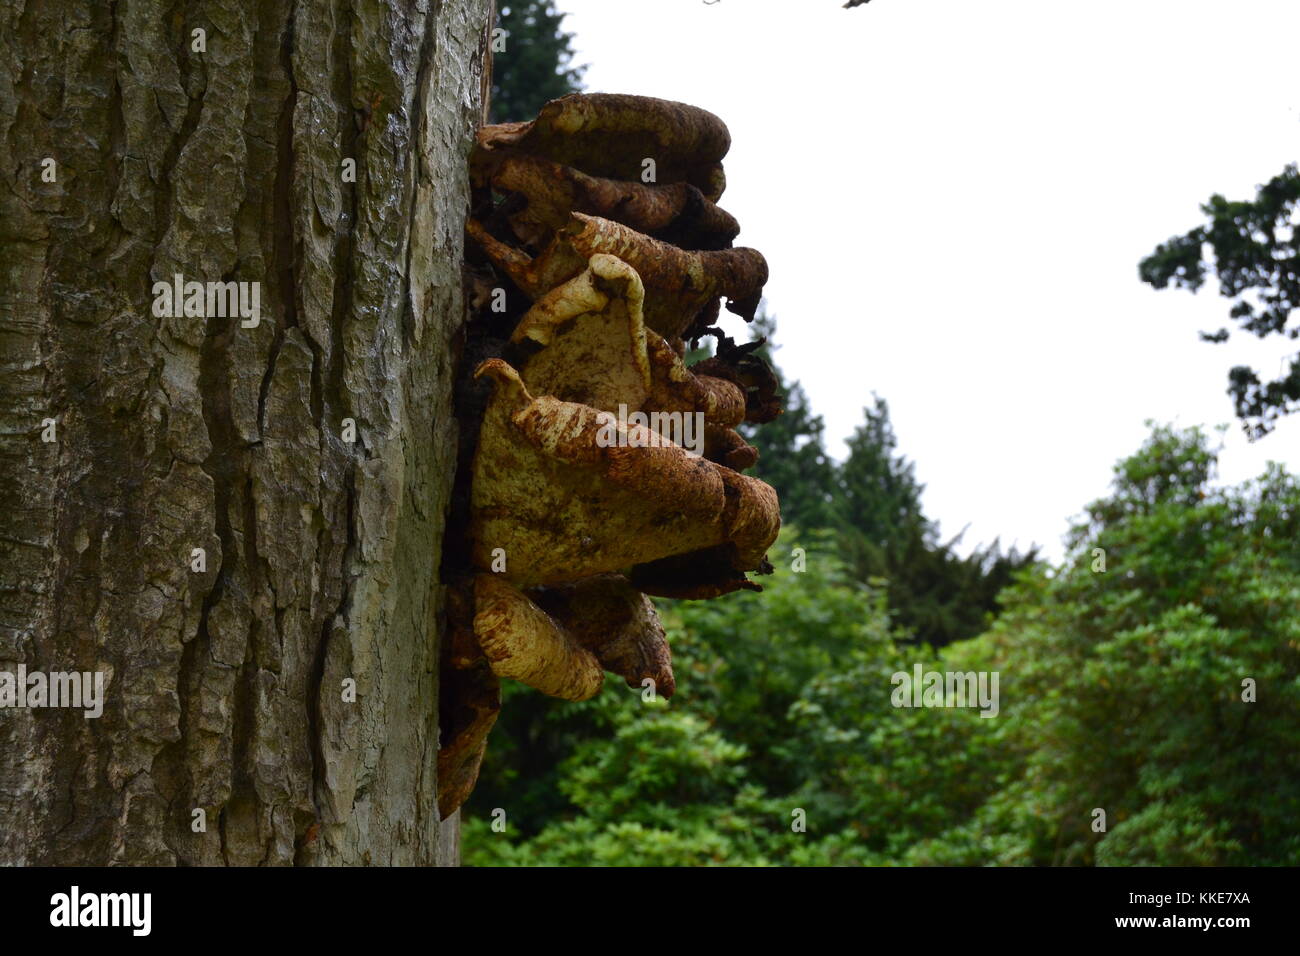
(534, 60)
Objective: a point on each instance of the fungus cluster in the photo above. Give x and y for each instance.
(597, 468)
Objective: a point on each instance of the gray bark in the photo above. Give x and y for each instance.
(225, 688)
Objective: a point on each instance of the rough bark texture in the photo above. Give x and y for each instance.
(225, 688)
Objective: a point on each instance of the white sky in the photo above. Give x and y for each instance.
(953, 197)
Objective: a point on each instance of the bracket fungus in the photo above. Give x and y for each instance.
(596, 467)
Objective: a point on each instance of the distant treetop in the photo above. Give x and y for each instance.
(1253, 248)
(535, 65)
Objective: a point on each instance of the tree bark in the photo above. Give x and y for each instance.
(226, 688)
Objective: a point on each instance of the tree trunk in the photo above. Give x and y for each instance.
(230, 733)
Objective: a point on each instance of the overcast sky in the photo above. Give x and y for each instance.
(953, 197)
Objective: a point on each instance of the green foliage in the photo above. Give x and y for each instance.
(691, 781)
(1123, 687)
(879, 496)
(535, 66)
(935, 594)
(1120, 689)
(1257, 260)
